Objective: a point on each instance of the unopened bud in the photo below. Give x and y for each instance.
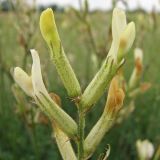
(49, 29)
(145, 149)
(51, 36)
(138, 56)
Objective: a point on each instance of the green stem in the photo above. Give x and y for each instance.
(81, 126)
(157, 154)
(31, 132)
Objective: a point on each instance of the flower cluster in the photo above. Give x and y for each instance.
(65, 127)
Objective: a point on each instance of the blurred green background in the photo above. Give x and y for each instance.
(17, 27)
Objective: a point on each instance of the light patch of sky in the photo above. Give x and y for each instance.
(147, 5)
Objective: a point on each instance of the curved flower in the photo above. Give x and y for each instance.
(123, 37)
(50, 34)
(34, 87)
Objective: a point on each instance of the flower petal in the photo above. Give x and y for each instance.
(118, 23)
(37, 80)
(138, 54)
(127, 37)
(118, 26)
(23, 80)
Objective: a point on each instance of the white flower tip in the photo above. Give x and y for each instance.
(145, 149)
(118, 23)
(33, 52)
(35, 57)
(37, 80)
(118, 12)
(18, 73)
(138, 54)
(23, 80)
(120, 17)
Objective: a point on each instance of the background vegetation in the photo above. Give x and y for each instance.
(29, 142)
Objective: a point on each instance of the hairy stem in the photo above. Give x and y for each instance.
(81, 126)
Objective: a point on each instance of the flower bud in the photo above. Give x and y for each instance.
(137, 72)
(138, 56)
(123, 34)
(49, 29)
(50, 34)
(145, 149)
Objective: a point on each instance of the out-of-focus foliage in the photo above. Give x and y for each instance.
(27, 141)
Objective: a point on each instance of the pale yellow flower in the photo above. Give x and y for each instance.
(145, 149)
(34, 87)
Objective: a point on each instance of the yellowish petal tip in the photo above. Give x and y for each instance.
(46, 16)
(48, 27)
(32, 50)
(18, 72)
(47, 13)
(132, 28)
(116, 10)
(119, 12)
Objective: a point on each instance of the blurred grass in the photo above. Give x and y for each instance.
(15, 142)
